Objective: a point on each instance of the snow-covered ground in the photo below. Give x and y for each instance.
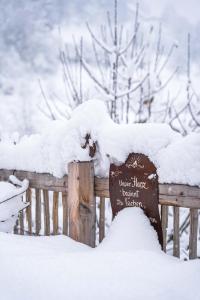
(127, 265)
(177, 158)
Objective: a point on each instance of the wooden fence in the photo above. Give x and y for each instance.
(75, 196)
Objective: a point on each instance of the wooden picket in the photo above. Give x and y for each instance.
(46, 212)
(65, 213)
(164, 221)
(176, 248)
(55, 213)
(101, 219)
(193, 233)
(37, 211)
(21, 222)
(29, 210)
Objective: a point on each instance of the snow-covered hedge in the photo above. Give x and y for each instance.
(177, 158)
(11, 202)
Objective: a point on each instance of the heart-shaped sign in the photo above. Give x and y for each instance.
(135, 184)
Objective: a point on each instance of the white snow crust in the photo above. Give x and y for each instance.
(128, 265)
(177, 158)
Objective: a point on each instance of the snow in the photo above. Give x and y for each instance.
(125, 266)
(184, 160)
(177, 158)
(11, 202)
(122, 234)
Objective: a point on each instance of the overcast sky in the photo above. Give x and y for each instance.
(26, 24)
(188, 10)
(178, 17)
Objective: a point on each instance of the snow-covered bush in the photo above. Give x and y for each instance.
(11, 202)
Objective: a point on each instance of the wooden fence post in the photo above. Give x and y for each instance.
(81, 201)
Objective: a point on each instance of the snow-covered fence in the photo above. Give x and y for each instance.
(45, 192)
(68, 206)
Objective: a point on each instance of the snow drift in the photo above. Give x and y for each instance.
(128, 265)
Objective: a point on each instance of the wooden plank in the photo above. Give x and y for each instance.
(29, 210)
(188, 196)
(193, 233)
(65, 213)
(176, 237)
(164, 221)
(55, 212)
(101, 187)
(49, 182)
(102, 219)
(21, 222)
(181, 190)
(82, 206)
(37, 211)
(169, 194)
(38, 180)
(189, 202)
(46, 213)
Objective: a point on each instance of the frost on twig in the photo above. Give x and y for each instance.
(129, 67)
(129, 75)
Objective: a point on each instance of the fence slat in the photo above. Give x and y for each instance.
(15, 230)
(37, 211)
(102, 219)
(21, 222)
(176, 237)
(29, 210)
(55, 212)
(46, 213)
(65, 213)
(164, 219)
(193, 233)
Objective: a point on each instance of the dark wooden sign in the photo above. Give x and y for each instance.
(135, 184)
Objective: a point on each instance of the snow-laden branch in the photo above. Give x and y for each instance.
(128, 44)
(192, 113)
(92, 76)
(167, 81)
(167, 58)
(133, 89)
(100, 43)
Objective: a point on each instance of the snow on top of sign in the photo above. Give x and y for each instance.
(176, 158)
(137, 270)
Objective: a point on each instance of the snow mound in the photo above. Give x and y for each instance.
(176, 158)
(180, 161)
(131, 230)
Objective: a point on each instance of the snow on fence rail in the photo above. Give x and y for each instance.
(75, 195)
